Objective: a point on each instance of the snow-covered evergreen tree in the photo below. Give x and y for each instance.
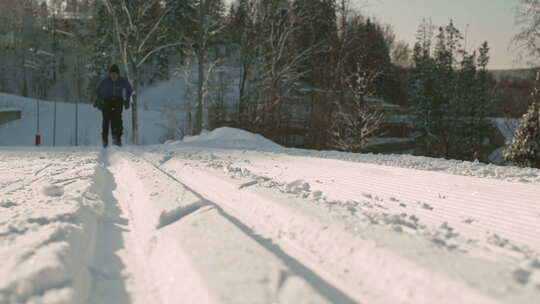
(524, 149)
(450, 97)
(481, 102)
(424, 89)
(465, 110)
(450, 92)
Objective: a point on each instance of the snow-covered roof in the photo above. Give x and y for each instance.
(381, 102)
(10, 110)
(43, 52)
(507, 126)
(389, 140)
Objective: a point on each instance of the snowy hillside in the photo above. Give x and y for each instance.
(22, 132)
(230, 217)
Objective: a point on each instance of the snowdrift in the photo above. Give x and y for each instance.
(230, 138)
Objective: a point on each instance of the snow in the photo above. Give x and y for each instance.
(230, 137)
(49, 210)
(389, 140)
(231, 217)
(507, 126)
(381, 102)
(386, 216)
(9, 110)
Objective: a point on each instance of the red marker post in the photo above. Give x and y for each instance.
(38, 140)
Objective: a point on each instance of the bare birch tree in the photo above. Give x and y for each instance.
(136, 25)
(528, 38)
(279, 70)
(193, 86)
(208, 29)
(245, 36)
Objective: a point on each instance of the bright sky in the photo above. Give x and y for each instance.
(487, 20)
(491, 20)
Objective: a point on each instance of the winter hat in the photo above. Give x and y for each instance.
(114, 69)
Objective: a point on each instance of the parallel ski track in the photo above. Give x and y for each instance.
(109, 280)
(422, 283)
(327, 290)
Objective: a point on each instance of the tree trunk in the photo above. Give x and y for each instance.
(200, 84)
(242, 100)
(134, 111)
(54, 124)
(200, 57)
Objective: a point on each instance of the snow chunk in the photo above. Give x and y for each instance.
(169, 217)
(7, 204)
(53, 191)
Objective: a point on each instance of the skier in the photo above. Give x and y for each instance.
(113, 93)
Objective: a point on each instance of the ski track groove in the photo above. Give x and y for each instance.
(203, 164)
(113, 287)
(327, 290)
(475, 204)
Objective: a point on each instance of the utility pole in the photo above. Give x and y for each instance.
(38, 136)
(78, 79)
(200, 50)
(54, 124)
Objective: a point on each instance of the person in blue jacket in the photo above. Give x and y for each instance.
(113, 93)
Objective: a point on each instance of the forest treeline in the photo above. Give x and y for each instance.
(300, 66)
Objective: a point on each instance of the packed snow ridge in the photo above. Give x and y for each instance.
(231, 217)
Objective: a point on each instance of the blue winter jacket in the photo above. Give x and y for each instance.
(114, 91)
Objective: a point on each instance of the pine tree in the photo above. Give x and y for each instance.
(451, 96)
(484, 99)
(424, 91)
(464, 141)
(524, 149)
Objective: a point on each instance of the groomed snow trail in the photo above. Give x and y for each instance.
(419, 236)
(161, 242)
(222, 221)
(118, 272)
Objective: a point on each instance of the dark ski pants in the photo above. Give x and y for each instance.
(112, 118)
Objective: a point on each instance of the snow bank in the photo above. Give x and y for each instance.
(455, 167)
(231, 138)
